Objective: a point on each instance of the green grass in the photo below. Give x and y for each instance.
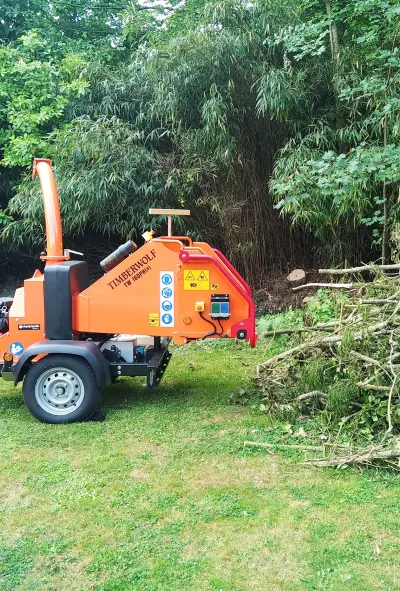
(163, 496)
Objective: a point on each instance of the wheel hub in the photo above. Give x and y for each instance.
(59, 391)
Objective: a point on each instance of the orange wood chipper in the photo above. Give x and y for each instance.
(66, 338)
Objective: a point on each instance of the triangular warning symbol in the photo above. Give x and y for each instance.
(202, 277)
(190, 277)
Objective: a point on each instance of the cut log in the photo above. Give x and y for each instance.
(362, 269)
(322, 341)
(267, 446)
(273, 333)
(314, 394)
(362, 457)
(330, 285)
(297, 277)
(373, 387)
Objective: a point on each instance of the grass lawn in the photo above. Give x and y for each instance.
(162, 496)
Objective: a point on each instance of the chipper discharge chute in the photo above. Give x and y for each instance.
(65, 338)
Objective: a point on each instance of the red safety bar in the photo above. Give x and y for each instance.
(250, 323)
(233, 271)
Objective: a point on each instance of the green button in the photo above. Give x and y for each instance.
(215, 308)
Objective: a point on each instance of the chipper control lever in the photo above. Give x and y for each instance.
(169, 213)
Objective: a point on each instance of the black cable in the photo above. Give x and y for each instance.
(210, 334)
(221, 327)
(107, 338)
(209, 321)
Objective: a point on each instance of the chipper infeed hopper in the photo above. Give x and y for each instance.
(66, 338)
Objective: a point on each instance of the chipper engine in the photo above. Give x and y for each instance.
(66, 337)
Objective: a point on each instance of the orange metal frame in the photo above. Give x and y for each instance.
(149, 293)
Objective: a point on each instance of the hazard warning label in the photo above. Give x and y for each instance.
(199, 280)
(154, 319)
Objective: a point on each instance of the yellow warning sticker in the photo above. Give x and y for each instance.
(214, 286)
(196, 280)
(154, 320)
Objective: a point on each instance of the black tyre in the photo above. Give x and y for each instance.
(61, 389)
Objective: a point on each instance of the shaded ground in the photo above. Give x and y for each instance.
(8, 286)
(278, 295)
(163, 497)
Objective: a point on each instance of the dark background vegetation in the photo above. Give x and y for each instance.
(276, 123)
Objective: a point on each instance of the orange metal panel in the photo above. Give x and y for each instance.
(129, 298)
(162, 289)
(27, 311)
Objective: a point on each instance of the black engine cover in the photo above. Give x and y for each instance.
(5, 305)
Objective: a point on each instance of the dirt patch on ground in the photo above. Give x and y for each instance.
(269, 556)
(234, 415)
(140, 475)
(229, 473)
(13, 495)
(277, 294)
(62, 573)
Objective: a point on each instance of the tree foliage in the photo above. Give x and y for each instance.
(62, 21)
(341, 164)
(34, 91)
(257, 116)
(187, 106)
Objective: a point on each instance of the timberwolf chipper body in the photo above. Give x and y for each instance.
(65, 338)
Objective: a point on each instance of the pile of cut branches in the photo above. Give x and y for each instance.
(347, 367)
(341, 456)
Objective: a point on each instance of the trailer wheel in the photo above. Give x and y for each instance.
(61, 389)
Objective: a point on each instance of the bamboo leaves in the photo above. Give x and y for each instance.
(346, 154)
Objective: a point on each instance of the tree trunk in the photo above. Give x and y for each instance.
(333, 36)
(297, 277)
(385, 231)
(334, 43)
